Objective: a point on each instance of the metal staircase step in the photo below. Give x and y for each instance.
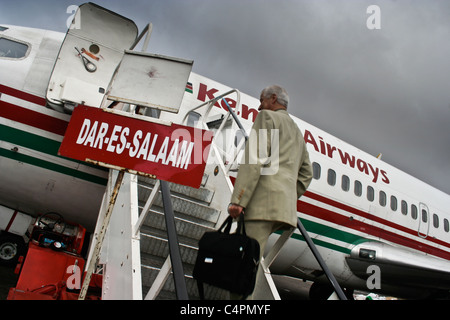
(182, 206)
(154, 249)
(202, 194)
(168, 291)
(187, 226)
(193, 217)
(156, 245)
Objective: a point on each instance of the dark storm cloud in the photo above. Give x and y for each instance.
(381, 90)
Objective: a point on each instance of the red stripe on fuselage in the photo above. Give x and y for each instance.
(345, 221)
(29, 117)
(33, 118)
(23, 95)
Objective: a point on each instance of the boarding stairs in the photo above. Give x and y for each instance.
(137, 260)
(135, 257)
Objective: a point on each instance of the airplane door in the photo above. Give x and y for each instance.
(92, 49)
(424, 220)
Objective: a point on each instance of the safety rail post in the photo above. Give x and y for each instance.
(337, 288)
(236, 119)
(174, 248)
(101, 236)
(216, 152)
(146, 209)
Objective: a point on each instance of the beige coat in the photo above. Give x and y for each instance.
(269, 191)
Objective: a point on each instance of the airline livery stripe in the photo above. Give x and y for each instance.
(372, 217)
(324, 244)
(331, 232)
(338, 219)
(43, 145)
(29, 140)
(52, 166)
(33, 118)
(358, 212)
(23, 95)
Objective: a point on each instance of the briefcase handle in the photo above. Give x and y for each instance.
(229, 221)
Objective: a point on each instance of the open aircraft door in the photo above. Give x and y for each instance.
(92, 49)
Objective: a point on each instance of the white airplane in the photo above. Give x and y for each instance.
(360, 211)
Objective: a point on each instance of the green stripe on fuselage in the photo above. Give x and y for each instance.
(328, 232)
(29, 140)
(44, 145)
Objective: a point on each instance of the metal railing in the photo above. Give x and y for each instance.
(216, 151)
(174, 247)
(337, 288)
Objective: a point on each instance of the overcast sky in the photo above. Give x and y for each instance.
(383, 90)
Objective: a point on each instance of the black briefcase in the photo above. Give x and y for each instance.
(228, 261)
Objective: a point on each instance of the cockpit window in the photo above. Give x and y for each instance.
(3, 28)
(12, 49)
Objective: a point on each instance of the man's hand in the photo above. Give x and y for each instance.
(235, 210)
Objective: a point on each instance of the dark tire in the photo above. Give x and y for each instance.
(11, 248)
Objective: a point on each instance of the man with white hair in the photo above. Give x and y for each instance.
(266, 192)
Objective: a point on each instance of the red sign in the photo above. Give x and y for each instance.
(172, 153)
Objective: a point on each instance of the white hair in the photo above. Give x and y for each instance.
(282, 95)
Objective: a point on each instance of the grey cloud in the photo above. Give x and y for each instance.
(380, 90)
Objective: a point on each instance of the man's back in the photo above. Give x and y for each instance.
(271, 192)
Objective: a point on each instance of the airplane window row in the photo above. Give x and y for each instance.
(382, 197)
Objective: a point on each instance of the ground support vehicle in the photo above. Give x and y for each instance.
(52, 268)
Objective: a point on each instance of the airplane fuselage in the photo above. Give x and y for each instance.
(34, 179)
(359, 210)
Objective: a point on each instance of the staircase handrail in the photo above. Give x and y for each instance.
(214, 146)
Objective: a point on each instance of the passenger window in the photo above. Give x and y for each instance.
(345, 183)
(424, 215)
(316, 170)
(435, 221)
(393, 203)
(446, 225)
(370, 194)
(12, 49)
(358, 188)
(382, 198)
(331, 177)
(413, 212)
(404, 207)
